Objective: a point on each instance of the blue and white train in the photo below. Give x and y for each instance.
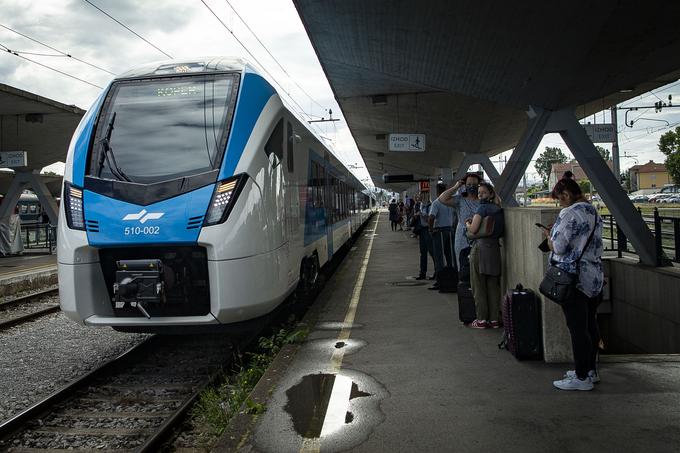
(193, 197)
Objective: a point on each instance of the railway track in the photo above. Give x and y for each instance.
(131, 403)
(27, 307)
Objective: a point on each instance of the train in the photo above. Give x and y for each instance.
(193, 196)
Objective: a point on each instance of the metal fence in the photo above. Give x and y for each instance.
(666, 231)
(39, 236)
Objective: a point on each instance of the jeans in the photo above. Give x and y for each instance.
(581, 314)
(442, 245)
(425, 240)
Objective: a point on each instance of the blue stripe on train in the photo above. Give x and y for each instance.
(248, 109)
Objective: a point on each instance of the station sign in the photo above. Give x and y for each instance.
(601, 133)
(424, 186)
(407, 143)
(13, 159)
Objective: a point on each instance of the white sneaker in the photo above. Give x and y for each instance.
(574, 383)
(592, 374)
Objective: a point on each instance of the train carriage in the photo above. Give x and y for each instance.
(194, 197)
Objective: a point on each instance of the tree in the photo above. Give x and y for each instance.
(551, 155)
(604, 152)
(584, 184)
(669, 144)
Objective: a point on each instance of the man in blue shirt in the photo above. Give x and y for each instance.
(441, 220)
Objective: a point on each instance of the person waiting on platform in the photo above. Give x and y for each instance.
(402, 215)
(485, 260)
(465, 205)
(575, 241)
(440, 222)
(394, 214)
(422, 216)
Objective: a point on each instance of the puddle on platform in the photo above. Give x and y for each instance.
(318, 405)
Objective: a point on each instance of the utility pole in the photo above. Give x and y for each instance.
(615, 146)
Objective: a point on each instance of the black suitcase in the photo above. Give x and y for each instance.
(467, 312)
(522, 322)
(447, 278)
(464, 264)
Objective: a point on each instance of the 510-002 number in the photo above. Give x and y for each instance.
(129, 231)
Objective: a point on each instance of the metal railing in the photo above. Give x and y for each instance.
(666, 231)
(39, 236)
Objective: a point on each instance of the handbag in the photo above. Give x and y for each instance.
(559, 285)
(485, 229)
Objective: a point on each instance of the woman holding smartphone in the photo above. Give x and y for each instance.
(575, 242)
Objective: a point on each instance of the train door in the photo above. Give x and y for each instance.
(276, 206)
(291, 204)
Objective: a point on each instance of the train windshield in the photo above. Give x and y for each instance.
(156, 130)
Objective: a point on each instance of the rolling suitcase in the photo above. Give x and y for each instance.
(467, 311)
(522, 321)
(448, 276)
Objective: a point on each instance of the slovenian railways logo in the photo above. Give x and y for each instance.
(143, 216)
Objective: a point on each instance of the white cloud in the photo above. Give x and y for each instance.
(179, 28)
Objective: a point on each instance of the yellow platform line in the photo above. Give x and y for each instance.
(313, 445)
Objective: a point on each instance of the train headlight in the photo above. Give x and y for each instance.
(73, 206)
(223, 199)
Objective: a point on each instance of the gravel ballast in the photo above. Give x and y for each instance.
(40, 357)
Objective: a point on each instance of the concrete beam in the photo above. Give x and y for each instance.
(21, 181)
(521, 157)
(481, 159)
(632, 224)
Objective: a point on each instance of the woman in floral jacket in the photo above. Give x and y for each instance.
(569, 239)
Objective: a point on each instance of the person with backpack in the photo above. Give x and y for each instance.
(575, 242)
(485, 259)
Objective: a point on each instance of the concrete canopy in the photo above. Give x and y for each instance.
(40, 126)
(464, 72)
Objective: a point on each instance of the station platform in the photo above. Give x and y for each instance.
(388, 367)
(27, 272)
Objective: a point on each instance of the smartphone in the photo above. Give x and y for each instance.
(540, 225)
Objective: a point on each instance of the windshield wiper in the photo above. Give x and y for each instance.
(106, 151)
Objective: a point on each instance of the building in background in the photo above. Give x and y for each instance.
(558, 170)
(648, 176)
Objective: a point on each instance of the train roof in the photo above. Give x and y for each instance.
(188, 66)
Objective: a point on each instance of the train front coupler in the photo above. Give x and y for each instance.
(139, 283)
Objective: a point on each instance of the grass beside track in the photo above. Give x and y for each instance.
(217, 405)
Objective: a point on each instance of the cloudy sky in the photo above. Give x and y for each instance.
(179, 28)
(184, 28)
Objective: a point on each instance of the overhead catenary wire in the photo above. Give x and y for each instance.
(62, 53)
(301, 110)
(49, 67)
(128, 28)
(272, 56)
(661, 128)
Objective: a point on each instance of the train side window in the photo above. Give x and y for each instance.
(275, 144)
(289, 147)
